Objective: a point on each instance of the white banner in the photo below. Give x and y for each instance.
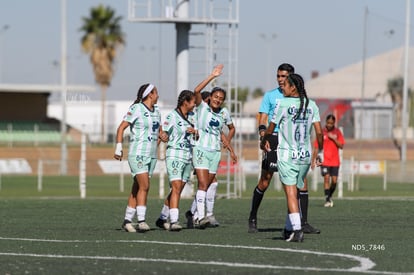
(15, 166)
(368, 167)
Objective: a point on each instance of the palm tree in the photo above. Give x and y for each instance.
(395, 89)
(102, 38)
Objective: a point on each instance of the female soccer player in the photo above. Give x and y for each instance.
(212, 189)
(295, 115)
(143, 118)
(207, 150)
(181, 130)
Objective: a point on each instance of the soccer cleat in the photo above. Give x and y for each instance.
(213, 221)
(309, 229)
(163, 224)
(286, 233)
(296, 236)
(189, 217)
(329, 203)
(201, 224)
(143, 226)
(128, 227)
(175, 226)
(252, 226)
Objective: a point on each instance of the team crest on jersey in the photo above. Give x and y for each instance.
(140, 164)
(155, 126)
(175, 171)
(214, 123)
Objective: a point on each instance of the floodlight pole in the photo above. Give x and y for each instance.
(2, 31)
(268, 43)
(63, 84)
(404, 123)
(183, 45)
(361, 114)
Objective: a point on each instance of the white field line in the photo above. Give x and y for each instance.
(365, 264)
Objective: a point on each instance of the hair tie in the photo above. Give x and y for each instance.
(147, 90)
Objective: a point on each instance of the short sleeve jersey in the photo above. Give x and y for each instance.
(295, 144)
(268, 104)
(209, 126)
(144, 127)
(225, 116)
(179, 140)
(330, 150)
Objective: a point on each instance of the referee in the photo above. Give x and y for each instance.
(269, 162)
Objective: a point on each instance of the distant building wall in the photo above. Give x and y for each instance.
(373, 120)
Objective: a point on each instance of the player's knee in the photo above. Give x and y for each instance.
(263, 185)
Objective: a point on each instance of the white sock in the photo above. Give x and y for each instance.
(288, 224)
(129, 213)
(201, 201)
(210, 197)
(141, 212)
(165, 212)
(174, 215)
(295, 221)
(193, 209)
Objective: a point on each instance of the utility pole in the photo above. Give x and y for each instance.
(63, 84)
(404, 118)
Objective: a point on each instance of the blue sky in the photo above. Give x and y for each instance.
(317, 35)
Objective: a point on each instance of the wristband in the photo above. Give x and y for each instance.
(320, 156)
(118, 149)
(262, 128)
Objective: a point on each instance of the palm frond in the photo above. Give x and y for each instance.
(102, 38)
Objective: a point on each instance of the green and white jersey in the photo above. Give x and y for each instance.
(225, 116)
(209, 126)
(179, 141)
(295, 135)
(144, 125)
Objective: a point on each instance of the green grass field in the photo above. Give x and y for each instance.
(55, 232)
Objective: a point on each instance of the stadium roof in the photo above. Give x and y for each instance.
(346, 83)
(43, 88)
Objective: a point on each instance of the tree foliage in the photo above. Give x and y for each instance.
(102, 38)
(258, 92)
(395, 88)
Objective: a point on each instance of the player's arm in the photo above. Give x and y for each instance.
(319, 138)
(227, 145)
(232, 132)
(162, 136)
(263, 118)
(314, 154)
(264, 143)
(338, 140)
(119, 138)
(215, 73)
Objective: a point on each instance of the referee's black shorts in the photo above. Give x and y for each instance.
(269, 162)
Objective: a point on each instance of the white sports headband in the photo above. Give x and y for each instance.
(147, 90)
